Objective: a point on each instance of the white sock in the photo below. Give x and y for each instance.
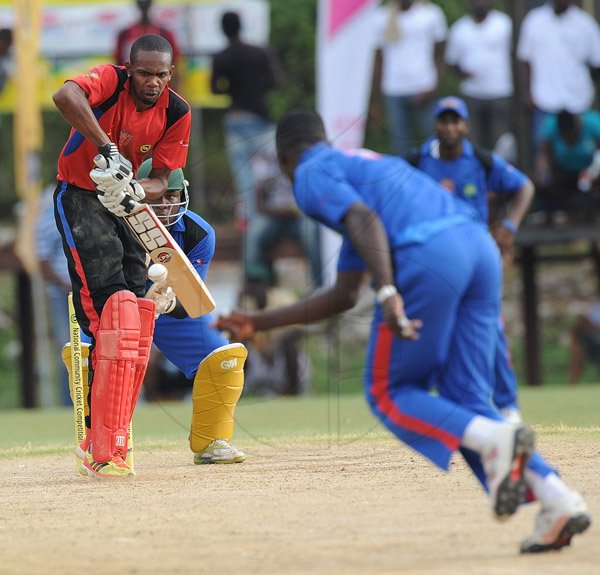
(480, 432)
(546, 488)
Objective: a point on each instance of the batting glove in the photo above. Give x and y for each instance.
(114, 178)
(136, 191)
(118, 203)
(163, 296)
(110, 151)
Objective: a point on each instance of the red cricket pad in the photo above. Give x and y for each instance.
(116, 357)
(147, 309)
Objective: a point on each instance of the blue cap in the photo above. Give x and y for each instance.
(451, 104)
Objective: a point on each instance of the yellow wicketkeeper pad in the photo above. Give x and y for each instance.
(217, 388)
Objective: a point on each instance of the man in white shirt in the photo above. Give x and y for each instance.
(411, 38)
(479, 47)
(559, 45)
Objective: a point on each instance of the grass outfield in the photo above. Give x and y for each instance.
(340, 418)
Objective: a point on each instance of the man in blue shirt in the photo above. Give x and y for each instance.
(472, 175)
(429, 257)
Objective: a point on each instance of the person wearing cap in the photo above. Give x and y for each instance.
(193, 345)
(473, 175)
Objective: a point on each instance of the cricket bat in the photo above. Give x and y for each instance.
(163, 249)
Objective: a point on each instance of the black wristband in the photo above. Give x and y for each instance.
(108, 150)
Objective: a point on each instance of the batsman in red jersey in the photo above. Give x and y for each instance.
(125, 113)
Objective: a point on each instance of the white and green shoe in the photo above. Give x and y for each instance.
(219, 451)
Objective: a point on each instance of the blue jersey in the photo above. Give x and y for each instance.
(411, 206)
(467, 177)
(186, 342)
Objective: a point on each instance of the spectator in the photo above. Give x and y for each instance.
(472, 174)
(479, 48)
(144, 25)
(54, 272)
(246, 73)
(568, 145)
(409, 68)
(558, 45)
(585, 343)
(277, 220)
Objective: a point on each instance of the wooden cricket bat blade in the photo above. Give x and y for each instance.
(163, 249)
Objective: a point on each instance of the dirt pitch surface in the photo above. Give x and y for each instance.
(365, 507)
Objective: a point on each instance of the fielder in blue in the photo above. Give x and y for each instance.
(472, 175)
(436, 273)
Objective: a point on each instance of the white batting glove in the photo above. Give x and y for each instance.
(163, 296)
(110, 151)
(114, 178)
(136, 191)
(118, 203)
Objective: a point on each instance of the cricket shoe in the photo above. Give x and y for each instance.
(80, 452)
(504, 462)
(556, 523)
(84, 447)
(115, 467)
(219, 451)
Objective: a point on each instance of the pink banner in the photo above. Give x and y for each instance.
(342, 10)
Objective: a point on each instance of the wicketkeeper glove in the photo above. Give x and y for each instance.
(163, 296)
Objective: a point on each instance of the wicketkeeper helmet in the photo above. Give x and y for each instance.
(176, 182)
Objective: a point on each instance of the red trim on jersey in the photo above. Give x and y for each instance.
(84, 294)
(137, 134)
(385, 404)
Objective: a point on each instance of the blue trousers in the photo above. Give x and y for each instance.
(186, 342)
(452, 283)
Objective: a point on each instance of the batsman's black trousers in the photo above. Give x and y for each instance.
(103, 254)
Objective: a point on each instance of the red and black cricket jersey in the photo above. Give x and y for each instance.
(163, 130)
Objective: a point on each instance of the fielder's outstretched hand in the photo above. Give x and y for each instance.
(239, 326)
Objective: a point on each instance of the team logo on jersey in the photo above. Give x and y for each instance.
(93, 75)
(145, 148)
(470, 190)
(124, 138)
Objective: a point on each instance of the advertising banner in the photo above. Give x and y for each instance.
(77, 35)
